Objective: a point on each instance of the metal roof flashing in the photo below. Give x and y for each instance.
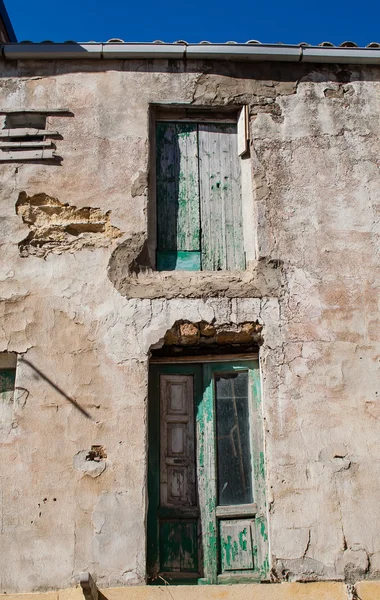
(347, 53)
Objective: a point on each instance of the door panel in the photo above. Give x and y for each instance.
(178, 546)
(174, 535)
(177, 472)
(236, 548)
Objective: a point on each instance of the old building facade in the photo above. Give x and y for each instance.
(190, 331)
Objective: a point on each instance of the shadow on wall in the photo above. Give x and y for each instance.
(56, 388)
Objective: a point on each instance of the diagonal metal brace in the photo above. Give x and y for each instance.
(88, 585)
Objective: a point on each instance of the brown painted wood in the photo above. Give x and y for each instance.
(177, 480)
(204, 358)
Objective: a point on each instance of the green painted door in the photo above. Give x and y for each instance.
(199, 206)
(206, 519)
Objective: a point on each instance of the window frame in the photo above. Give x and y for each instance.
(211, 516)
(237, 115)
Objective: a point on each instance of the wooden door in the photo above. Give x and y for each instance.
(174, 539)
(231, 474)
(207, 520)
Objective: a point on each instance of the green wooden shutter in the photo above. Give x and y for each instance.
(7, 386)
(178, 226)
(199, 205)
(220, 198)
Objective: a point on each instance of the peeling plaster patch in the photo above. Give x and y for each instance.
(299, 539)
(118, 538)
(88, 466)
(56, 227)
(335, 457)
(139, 185)
(302, 569)
(353, 563)
(338, 91)
(128, 259)
(218, 89)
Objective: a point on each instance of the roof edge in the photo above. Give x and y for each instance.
(183, 51)
(7, 23)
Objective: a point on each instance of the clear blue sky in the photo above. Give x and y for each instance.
(195, 20)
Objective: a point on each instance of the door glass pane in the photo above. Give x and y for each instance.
(232, 430)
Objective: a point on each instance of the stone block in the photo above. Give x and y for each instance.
(277, 591)
(368, 590)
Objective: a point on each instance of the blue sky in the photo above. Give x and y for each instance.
(195, 20)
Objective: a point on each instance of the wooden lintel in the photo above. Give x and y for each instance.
(42, 154)
(25, 132)
(203, 358)
(5, 144)
(52, 111)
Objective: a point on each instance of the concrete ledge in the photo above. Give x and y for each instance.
(276, 591)
(368, 590)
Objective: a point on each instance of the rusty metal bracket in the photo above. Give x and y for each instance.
(88, 585)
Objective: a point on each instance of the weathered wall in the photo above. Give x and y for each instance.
(82, 316)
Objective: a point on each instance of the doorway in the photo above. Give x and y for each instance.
(206, 479)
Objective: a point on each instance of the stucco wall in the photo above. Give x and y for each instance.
(78, 321)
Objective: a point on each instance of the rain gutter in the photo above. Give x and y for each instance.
(182, 51)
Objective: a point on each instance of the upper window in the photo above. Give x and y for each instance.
(199, 196)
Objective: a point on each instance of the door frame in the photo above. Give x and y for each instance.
(205, 443)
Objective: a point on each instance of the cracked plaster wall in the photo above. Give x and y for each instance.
(315, 175)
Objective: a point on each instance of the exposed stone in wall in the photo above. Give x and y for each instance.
(338, 91)
(57, 227)
(224, 87)
(204, 334)
(139, 184)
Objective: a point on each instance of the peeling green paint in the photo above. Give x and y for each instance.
(243, 539)
(262, 465)
(262, 528)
